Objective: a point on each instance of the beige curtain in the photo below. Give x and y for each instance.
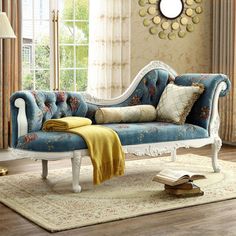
(224, 61)
(10, 68)
(109, 48)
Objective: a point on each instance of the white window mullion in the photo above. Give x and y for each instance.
(72, 68)
(33, 46)
(74, 47)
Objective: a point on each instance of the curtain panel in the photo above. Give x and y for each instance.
(10, 68)
(224, 61)
(109, 47)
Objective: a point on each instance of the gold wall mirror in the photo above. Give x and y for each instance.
(170, 19)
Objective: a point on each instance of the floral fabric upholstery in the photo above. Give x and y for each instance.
(129, 134)
(201, 112)
(41, 106)
(152, 132)
(149, 89)
(51, 142)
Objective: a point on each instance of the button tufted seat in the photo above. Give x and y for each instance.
(129, 134)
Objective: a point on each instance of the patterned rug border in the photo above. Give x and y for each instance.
(52, 228)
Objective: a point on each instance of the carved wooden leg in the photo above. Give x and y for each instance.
(76, 164)
(173, 155)
(44, 169)
(216, 146)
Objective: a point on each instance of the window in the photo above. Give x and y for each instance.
(26, 55)
(40, 66)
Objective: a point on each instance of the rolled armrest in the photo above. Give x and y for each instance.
(202, 110)
(34, 115)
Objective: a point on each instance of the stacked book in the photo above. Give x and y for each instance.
(179, 183)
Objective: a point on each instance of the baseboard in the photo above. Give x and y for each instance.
(6, 155)
(229, 143)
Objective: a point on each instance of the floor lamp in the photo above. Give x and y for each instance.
(6, 32)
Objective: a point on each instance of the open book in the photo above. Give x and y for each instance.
(176, 177)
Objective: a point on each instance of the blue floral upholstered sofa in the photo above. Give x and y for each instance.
(30, 109)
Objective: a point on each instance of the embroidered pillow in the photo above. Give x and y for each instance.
(139, 113)
(177, 101)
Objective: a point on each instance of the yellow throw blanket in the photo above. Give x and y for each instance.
(103, 143)
(65, 123)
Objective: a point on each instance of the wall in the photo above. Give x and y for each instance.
(190, 54)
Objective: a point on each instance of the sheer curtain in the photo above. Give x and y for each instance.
(109, 47)
(224, 61)
(10, 68)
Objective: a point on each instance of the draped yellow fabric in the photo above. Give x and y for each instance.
(105, 151)
(103, 143)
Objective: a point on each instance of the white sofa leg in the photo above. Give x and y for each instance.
(76, 164)
(216, 146)
(173, 155)
(44, 169)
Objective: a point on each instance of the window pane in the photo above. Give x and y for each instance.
(27, 6)
(66, 9)
(42, 32)
(27, 79)
(81, 32)
(42, 56)
(67, 80)
(82, 9)
(81, 56)
(81, 80)
(27, 55)
(41, 9)
(42, 80)
(27, 31)
(66, 56)
(66, 32)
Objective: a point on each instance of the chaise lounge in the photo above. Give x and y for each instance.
(30, 109)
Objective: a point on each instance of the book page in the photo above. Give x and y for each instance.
(179, 174)
(174, 174)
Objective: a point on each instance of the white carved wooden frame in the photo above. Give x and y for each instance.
(150, 149)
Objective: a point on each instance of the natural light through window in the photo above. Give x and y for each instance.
(38, 44)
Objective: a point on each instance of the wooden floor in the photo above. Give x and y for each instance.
(206, 220)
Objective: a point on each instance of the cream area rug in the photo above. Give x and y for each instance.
(53, 206)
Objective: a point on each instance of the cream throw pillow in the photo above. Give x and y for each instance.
(177, 101)
(139, 113)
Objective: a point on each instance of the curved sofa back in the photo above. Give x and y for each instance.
(148, 91)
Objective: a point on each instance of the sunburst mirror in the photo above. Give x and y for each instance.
(170, 19)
